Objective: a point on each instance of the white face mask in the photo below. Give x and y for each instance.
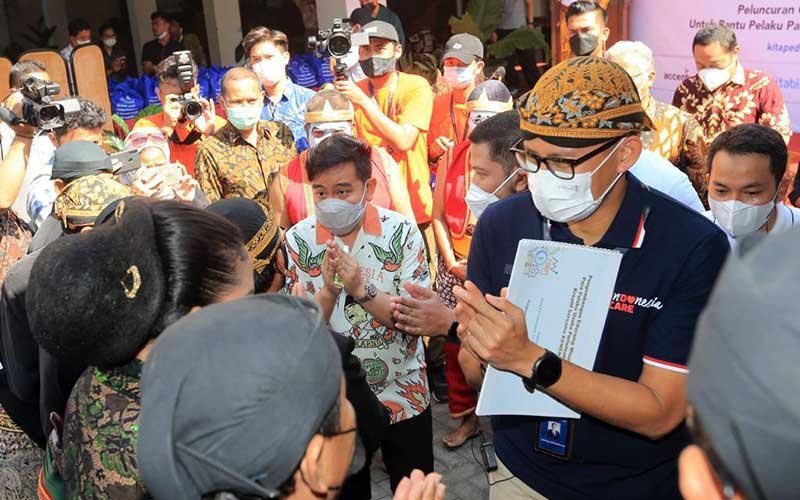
(563, 200)
(110, 42)
(270, 72)
(458, 77)
(714, 78)
(738, 218)
(318, 132)
(477, 199)
(340, 217)
(161, 35)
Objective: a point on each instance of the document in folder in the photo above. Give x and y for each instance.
(565, 291)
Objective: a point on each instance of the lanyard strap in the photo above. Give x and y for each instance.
(392, 90)
(453, 121)
(636, 243)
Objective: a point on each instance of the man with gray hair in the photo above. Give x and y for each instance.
(241, 158)
(677, 136)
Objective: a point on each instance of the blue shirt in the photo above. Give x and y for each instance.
(672, 256)
(291, 111)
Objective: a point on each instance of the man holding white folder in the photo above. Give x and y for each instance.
(581, 126)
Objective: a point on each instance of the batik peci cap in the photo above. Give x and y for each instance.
(231, 396)
(744, 379)
(581, 102)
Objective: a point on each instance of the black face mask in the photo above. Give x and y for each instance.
(583, 44)
(376, 67)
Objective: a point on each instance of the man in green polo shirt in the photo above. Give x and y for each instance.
(382, 13)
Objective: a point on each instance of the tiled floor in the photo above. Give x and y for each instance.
(464, 477)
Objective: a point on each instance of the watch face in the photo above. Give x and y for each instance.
(548, 371)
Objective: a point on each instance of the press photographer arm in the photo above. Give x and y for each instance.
(400, 136)
(12, 170)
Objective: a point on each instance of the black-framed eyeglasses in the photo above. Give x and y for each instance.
(563, 168)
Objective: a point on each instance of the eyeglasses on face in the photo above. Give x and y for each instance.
(563, 168)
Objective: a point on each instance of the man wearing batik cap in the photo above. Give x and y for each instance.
(328, 113)
(743, 387)
(73, 161)
(580, 127)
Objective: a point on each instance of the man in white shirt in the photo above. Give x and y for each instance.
(658, 173)
(746, 167)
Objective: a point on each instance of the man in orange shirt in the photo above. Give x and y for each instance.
(393, 111)
(463, 62)
(185, 135)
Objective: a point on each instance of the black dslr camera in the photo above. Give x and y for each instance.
(39, 109)
(192, 108)
(337, 42)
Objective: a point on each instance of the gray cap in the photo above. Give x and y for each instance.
(381, 29)
(231, 396)
(744, 377)
(464, 47)
(78, 159)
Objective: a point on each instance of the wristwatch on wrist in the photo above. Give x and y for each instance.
(546, 372)
(370, 292)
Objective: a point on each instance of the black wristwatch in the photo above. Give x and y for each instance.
(546, 372)
(370, 292)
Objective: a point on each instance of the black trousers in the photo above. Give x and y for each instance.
(408, 445)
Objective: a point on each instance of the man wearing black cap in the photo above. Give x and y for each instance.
(72, 161)
(743, 387)
(633, 400)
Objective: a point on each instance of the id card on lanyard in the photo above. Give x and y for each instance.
(389, 112)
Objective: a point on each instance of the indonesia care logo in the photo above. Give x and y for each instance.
(627, 303)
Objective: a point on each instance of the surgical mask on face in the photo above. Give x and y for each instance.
(375, 67)
(477, 199)
(318, 132)
(161, 35)
(340, 217)
(714, 78)
(475, 117)
(563, 200)
(738, 218)
(110, 42)
(244, 117)
(583, 44)
(81, 43)
(270, 72)
(458, 77)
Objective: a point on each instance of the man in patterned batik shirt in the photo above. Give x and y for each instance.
(241, 158)
(352, 257)
(724, 94)
(677, 137)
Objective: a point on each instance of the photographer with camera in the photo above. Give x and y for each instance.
(40, 125)
(268, 52)
(187, 119)
(16, 142)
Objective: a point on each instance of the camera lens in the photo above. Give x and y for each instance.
(192, 110)
(49, 114)
(339, 45)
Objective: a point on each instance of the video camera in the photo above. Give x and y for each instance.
(337, 43)
(39, 109)
(192, 109)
